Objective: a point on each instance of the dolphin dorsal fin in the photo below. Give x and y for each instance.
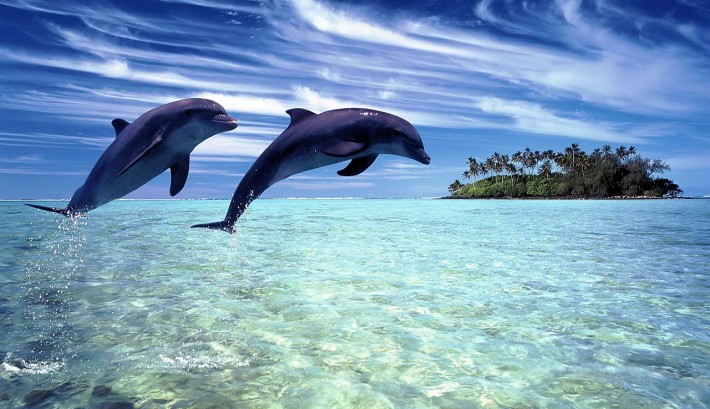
(119, 125)
(299, 114)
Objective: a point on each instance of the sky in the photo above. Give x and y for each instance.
(474, 78)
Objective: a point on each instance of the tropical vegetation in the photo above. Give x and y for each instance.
(603, 173)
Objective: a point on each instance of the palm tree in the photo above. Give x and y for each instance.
(570, 157)
(483, 169)
(632, 151)
(561, 161)
(490, 164)
(606, 150)
(473, 168)
(505, 164)
(454, 187)
(517, 157)
(498, 164)
(511, 169)
(535, 158)
(527, 155)
(583, 162)
(622, 153)
(548, 155)
(546, 169)
(575, 152)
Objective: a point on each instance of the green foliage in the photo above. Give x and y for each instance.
(545, 187)
(603, 173)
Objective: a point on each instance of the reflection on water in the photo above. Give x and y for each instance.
(358, 303)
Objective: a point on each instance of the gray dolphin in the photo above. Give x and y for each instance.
(159, 139)
(315, 140)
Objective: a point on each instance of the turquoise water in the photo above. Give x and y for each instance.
(358, 304)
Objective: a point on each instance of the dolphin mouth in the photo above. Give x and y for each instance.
(225, 120)
(421, 156)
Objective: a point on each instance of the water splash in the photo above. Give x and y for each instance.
(51, 264)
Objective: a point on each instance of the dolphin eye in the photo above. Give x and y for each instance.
(189, 112)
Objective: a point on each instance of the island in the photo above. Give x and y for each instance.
(572, 173)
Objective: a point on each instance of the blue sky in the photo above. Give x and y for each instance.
(474, 77)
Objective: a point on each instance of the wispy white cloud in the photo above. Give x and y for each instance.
(304, 96)
(25, 159)
(326, 185)
(598, 66)
(38, 171)
(348, 25)
(329, 75)
(33, 139)
(690, 162)
(529, 117)
(223, 145)
(238, 103)
(120, 69)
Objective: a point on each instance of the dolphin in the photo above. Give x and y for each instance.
(315, 140)
(159, 139)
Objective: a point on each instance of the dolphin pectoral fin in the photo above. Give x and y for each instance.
(119, 125)
(178, 175)
(140, 156)
(357, 166)
(344, 148)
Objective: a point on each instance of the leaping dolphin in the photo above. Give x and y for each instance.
(315, 140)
(159, 139)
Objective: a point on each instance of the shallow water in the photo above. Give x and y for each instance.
(358, 304)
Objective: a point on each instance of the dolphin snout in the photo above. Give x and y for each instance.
(422, 156)
(227, 121)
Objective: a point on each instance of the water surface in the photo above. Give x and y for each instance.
(358, 304)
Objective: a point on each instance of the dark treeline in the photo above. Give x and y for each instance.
(571, 173)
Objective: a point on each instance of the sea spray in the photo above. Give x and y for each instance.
(51, 265)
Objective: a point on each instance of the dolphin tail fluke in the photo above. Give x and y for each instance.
(65, 212)
(223, 225)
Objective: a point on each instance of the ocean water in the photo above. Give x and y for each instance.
(358, 304)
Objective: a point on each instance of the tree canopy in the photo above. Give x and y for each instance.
(605, 172)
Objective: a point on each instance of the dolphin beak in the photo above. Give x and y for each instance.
(422, 156)
(228, 122)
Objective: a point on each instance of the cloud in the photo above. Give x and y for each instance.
(599, 65)
(386, 95)
(30, 158)
(347, 185)
(355, 27)
(530, 117)
(33, 139)
(329, 75)
(35, 171)
(304, 96)
(223, 145)
(248, 103)
(112, 68)
(698, 161)
(214, 172)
